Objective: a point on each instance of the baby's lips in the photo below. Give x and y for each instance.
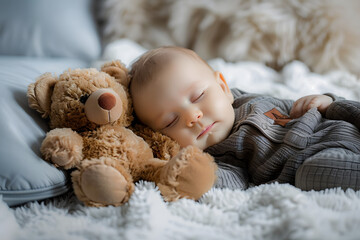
(207, 129)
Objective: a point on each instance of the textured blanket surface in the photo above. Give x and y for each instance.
(274, 211)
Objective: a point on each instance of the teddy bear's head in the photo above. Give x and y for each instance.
(83, 99)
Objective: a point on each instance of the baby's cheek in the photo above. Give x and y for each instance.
(218, 106)
(176, 134)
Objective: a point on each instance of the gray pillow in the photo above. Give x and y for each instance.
(24, 176)
(49, 28)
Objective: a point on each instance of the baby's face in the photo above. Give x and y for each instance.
(187, 102)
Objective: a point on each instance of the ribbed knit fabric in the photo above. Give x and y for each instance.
(260, 151)
(231, 176)
(345, 110)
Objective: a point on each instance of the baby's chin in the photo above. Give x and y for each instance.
(211, 140)
(198, 144)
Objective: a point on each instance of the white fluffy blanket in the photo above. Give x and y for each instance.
(275, 211)
(265, 212)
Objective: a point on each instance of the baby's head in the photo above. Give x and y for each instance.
(177, 93)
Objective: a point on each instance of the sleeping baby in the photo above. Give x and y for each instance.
(312, 143)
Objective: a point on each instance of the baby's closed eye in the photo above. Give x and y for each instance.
(197, 97)
(172, 122)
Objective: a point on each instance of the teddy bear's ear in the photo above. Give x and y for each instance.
(118, 71)
(39, 93)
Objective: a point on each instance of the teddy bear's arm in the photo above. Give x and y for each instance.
(63, 147)
(189, 174)
(148, 170)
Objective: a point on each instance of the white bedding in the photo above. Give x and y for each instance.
(265, 212)
(275, 211)
(294, 81)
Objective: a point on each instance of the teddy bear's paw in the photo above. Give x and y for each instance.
(63, 147)
(102, 182)
(190, 174)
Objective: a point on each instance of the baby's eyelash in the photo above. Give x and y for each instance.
(172, 122)
(200, 96)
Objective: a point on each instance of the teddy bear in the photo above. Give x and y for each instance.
(93, 133)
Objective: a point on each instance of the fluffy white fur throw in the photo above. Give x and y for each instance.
(324, 34)
(266, 212)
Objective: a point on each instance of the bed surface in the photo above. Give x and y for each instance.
(24, 176)
(35, 201)
(275, 211)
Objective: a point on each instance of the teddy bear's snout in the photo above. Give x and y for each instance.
(107, 101)
(103, 106)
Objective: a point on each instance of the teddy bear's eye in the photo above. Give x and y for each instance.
(83, 98)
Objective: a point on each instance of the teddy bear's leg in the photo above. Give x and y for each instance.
(63, 147)
(102, 182)
(189, 174)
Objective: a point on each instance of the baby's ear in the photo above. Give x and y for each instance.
(39, 94)
(224, 86)
(118, 71)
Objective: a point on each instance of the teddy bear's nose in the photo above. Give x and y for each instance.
(107, 101)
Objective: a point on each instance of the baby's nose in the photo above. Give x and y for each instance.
(196, 116)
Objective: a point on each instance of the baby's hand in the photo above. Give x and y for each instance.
(302, 105)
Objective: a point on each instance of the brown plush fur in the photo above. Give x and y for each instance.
(110, 157)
